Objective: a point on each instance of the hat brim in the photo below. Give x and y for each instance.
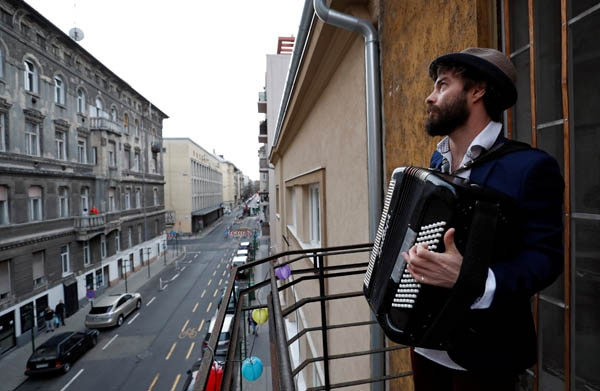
(504, 85)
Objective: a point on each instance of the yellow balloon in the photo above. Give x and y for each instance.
(260, 315)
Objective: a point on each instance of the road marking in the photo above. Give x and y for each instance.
(195, 307)
(216, 291)
(153, 382)
(220, 281)
(201, 325)
(132, 319)
(224, 272)
(109, 342)
(208, 308)
(187, 357)
(152, 299)
(185, 325)
(196, 256)
(175, 382)
(215, 272)
(171, 351)
(209, 282)
(203, 293)
(165, 287)
(72, 380)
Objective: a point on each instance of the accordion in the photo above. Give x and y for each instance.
(419, 207)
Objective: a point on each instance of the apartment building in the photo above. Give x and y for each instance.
(231, 184)
(322, 142)
(81, 182)
(194, 188)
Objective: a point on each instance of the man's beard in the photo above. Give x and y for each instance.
(449, 116)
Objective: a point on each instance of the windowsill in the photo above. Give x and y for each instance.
(303, 245)
(67, 274)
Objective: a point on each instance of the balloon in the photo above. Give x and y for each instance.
(283, 272)
(260, 315)
(252, 368)
(215, 377)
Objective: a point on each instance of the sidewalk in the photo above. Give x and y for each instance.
(12, 364)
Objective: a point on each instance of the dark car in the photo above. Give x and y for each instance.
(59, 352)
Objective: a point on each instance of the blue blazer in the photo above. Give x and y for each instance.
(503, 337)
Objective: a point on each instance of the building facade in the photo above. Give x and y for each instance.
(81, 183)
(231, 184)
(194, 189)
(319, 152)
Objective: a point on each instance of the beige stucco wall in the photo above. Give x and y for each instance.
(178, 190)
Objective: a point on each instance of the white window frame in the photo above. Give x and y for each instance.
(60, 138)
(32, 138)
(111, 199)
(64, 259)
(4, 217)
(130, 237)
(3, 131)
(136, 161)
(31, 76)
(82, 150)
(103, 249)
(138, 198)
(59, 90)
(112, 151)
(81, 103)
(127, 198)
(63, 201)
(155, 198)
(35, 203)
(85, 198)
(87, 256)
(117, 241)
(314, 216)
(126, 158)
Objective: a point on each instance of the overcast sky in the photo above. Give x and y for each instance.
(201, 62)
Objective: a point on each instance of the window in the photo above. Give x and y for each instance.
(314, 216)
(126, 123)
(155, 191)
(138, 198)
(4, 280)
(81, 101)
(64, 258)
(85, 198)
(112, 151)
(117, 241)
(111, 199)
(82, 150)
(34, 195)
(130, 237)
(3, 132)
(31, 77)
(136, 161)
(59, 91)
(126, 157)
(140, 231)
(32, 139)
(4, 205)
(63, 202)
(113, 114)
(99, 108)
(38, 268)
(293, 204)
(87, 259)
(1, 63)
(103, 250)
(61, 145)
(127, 198)
(94, 155)
(137, 128)
(154, 168)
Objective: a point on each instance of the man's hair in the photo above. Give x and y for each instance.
(471, 77)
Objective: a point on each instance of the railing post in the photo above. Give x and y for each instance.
(323, 319)
(286, 380)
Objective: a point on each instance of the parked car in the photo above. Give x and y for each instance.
(244, 245)
(230, 303)
(224, 336)
(112, 310)
(59, 352)
(238, 261)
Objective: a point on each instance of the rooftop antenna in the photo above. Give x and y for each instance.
(75, 33)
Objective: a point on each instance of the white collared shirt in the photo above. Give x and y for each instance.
(481, 143)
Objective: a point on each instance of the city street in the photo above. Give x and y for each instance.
(156, 345)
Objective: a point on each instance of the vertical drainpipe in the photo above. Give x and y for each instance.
(374, 147)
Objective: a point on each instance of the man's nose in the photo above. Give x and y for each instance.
(430, 98)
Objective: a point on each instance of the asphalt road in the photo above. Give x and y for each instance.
(158, 344)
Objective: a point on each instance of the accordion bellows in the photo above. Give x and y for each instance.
(419, 207)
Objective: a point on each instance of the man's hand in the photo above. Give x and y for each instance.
(439, 269)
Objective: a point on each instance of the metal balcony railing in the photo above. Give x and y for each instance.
(99, 123)
(285, 370)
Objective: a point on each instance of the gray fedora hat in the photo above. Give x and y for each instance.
(492, 64)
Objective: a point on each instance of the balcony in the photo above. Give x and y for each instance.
(86, 227)
(262, 102)
(99, 123)
(287, 360)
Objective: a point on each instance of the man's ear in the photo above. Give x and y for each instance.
(478, 91)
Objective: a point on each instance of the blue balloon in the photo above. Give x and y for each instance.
(252, 368)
